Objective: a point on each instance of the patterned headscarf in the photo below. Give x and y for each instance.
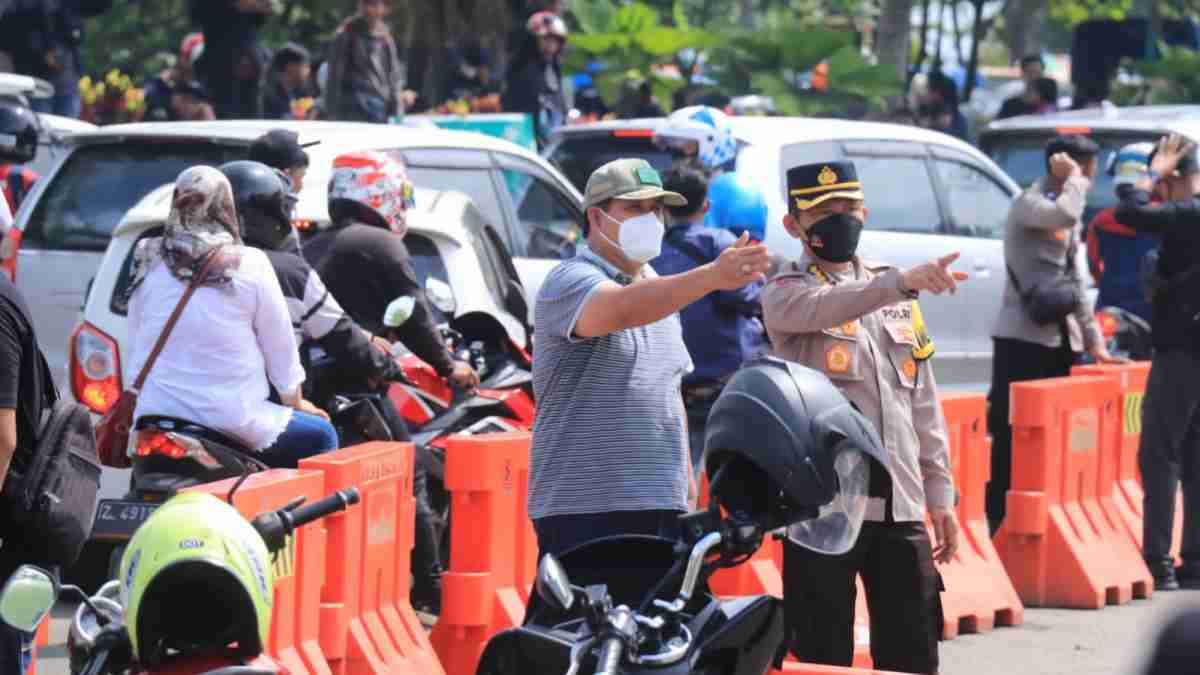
(203, 218)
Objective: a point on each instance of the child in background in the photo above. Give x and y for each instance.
(288, 84)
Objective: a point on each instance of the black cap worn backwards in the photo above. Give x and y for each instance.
(811, 184)
(281, 149)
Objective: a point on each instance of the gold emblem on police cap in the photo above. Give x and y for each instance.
(827, 176)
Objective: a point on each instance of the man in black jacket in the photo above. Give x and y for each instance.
(1170, 442)
(234, 60)
(21, 401)
(366, 263)
(43, 38)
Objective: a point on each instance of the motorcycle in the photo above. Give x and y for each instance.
(1125, 333)
(619, 605)
(98, 641)
(173, 454)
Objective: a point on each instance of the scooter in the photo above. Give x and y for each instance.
(1125, 333)
(98, 642)
(620, 605)
(174, 454)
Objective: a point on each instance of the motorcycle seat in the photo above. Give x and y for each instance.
(189, 428)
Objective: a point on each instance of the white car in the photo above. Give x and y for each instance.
(63, 229)
(454, 250)
(928, 194)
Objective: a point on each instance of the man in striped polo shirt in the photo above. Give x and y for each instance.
(610, 440)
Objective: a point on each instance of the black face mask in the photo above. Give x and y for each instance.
(834, 238)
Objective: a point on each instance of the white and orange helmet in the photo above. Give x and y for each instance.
(376, 181)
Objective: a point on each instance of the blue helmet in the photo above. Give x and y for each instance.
(737, 204)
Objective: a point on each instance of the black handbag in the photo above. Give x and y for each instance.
(1055, 299)
(49, 494)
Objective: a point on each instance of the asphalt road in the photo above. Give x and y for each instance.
(1112, 641)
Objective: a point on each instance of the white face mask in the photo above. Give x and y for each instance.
(641, 236)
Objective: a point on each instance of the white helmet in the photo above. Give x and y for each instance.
(707, 127)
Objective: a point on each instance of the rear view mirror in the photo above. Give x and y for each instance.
(399, 311)
(441, 296)
(553, 586)
(27, 598)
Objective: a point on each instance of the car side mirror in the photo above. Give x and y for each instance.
(553, 586)
(28, 597)
(441, 296)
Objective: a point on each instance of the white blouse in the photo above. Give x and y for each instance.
(215, 365)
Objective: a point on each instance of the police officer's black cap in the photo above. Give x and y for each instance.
(811, 184)
(281, 149)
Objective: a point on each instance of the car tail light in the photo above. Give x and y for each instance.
(95, 368)
(1108, 323)
(173, 446)
(304, 225)
(633, 133)
(10, 246)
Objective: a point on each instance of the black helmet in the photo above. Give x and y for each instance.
(18, 133)
(781, 448)
(262, 203)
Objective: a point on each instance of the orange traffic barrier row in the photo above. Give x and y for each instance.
(295, 604)
(342, 583)
(367, 623)
(813, 669)
(493, 549)
(1121, 458)
(1062, 545)
(979, 594)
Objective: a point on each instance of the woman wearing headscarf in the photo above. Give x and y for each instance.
(233, 340)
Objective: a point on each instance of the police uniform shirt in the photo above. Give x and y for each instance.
(865, 332)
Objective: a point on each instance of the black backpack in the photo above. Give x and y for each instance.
(49, 495)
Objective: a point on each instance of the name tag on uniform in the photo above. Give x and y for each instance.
(898, 321)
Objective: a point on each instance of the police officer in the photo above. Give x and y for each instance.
(1168, 453)
(860, 324)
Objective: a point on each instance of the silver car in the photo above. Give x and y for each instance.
(928, 194)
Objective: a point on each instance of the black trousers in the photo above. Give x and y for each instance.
(903, 596)
(1014, 361)
(558, 534)
(1168, 454)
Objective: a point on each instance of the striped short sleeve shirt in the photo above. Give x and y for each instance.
(610, 433)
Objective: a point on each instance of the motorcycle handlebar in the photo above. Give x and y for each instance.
(610, 656)
(335, 502)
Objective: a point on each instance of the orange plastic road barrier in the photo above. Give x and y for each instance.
(299, 568)
(979, 594)
(367, 623)
(813, 669)
(493, 548)
(1121, 459)
(1060, 547)
(41, 639)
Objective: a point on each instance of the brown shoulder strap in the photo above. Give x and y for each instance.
(174, 318)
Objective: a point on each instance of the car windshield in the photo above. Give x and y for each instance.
(1023, 158)
(90, 193)
(578, 155)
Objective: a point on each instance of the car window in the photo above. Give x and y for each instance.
(978, 205)
(97, 184)
(489, 263)
(578, 155)
(476, 183)
(547, 225)
(899, 193)
(1023, 157)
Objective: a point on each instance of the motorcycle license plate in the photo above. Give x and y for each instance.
(118, 518)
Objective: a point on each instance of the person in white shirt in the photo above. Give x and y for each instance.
(234, 339)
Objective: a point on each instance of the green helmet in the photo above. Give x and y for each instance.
(195, 578)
